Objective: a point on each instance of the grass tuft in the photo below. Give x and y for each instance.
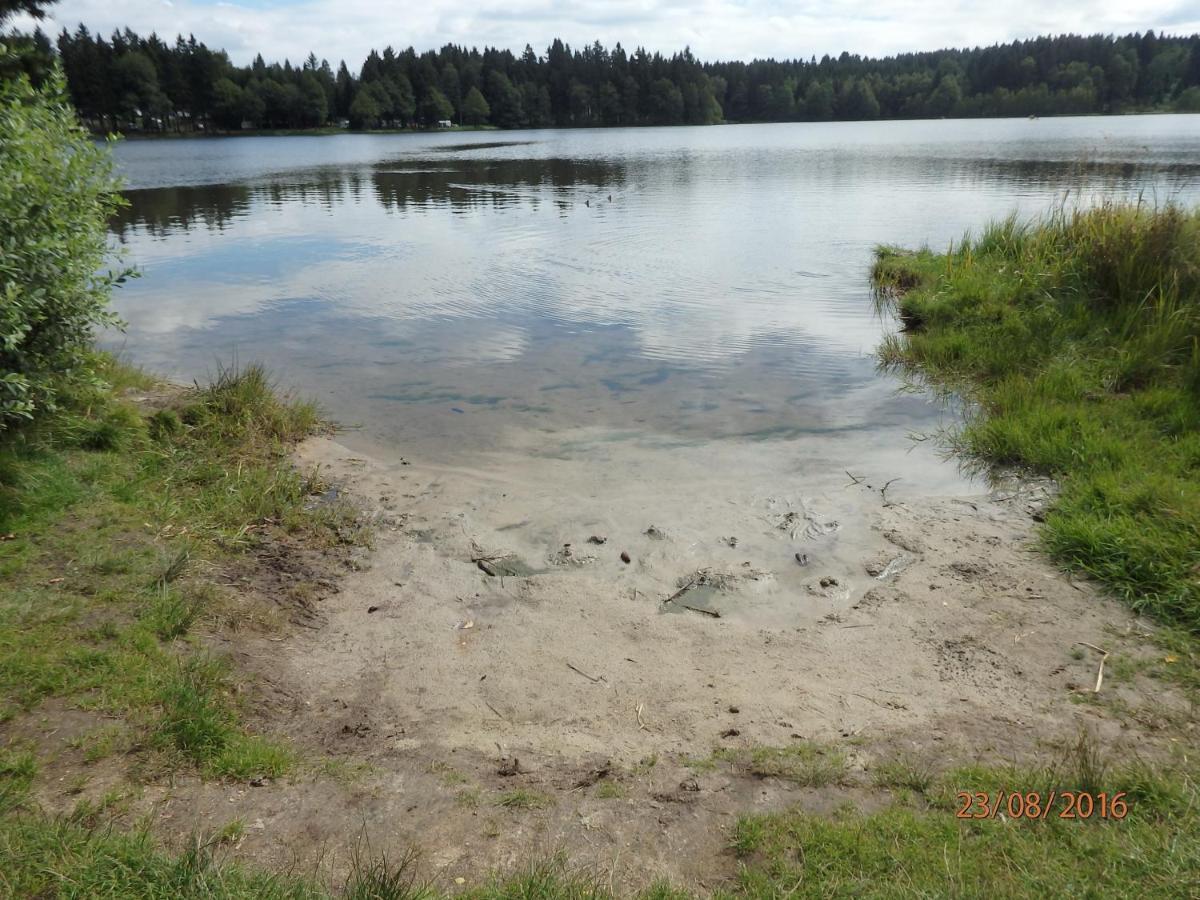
(1077, 340)
(523, 799)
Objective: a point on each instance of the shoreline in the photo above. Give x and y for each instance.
(488, 719)
(331, 131)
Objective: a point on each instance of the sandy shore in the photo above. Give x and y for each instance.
(872, 622)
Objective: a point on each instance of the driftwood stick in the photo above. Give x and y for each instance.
(1099, 671)
(591, 678)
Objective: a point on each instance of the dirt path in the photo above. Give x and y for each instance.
(590, 706)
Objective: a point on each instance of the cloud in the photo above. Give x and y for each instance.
(714, 29)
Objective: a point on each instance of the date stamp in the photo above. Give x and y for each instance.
(1036, 805)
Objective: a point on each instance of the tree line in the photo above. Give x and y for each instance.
(133, 83)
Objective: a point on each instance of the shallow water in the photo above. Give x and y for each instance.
(572, 295)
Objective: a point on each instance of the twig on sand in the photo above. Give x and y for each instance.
(1100, 671)
(870, 699)
(883, 491)
(637, 711)
(591, 678)
(497, 712)
(854, 479)
(708, 612)
(683, 590)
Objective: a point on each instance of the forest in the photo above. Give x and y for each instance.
(130, 83)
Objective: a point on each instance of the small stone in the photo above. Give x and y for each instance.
(597, 539)
(734, 710)
(625, 558)
(802, 558)
(829, 581)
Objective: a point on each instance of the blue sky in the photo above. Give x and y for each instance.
(715, 29)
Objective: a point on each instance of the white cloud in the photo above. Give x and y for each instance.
(715, 29)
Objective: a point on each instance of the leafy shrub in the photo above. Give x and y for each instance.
(57, 192)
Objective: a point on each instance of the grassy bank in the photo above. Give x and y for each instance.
(1077, 341)
(115, 522)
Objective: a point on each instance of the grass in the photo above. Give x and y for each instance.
(1076, 341)
(916, 847)
(919, 848)
(114, 521)
(523, 799)
(904, 773)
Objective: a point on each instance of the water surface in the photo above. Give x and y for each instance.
(560, 293)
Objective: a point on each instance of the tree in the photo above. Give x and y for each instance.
(505, 101)
(945, 97)
(435, 108)
(475, 110)
(343, 94)
(137, 88)
(32, 8)
(451, 85)
(228, 104)
(57, 193)
(111, 80)
(665, 103)
(315, 109)
(608, 101)
(818, 101)
(364, 111)
(858, 101)
(580, 99)
(533, 105)
(1188, 101)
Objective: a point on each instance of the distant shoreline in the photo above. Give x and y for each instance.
(330, 131)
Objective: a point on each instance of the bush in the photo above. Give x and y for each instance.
(57, 192)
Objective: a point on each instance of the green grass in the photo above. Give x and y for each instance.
(117, 521)
(921, 849)
(904, 773)
(1076, 341)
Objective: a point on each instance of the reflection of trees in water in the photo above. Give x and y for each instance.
(159, 211)
(1076, 173)
(458, 184)
(471, 184)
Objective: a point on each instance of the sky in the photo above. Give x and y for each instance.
(714, 29)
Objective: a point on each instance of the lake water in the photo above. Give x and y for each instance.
(470, 298)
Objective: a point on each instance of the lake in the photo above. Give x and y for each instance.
(639, 304)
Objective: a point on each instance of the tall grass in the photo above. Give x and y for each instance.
(1077, 337)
